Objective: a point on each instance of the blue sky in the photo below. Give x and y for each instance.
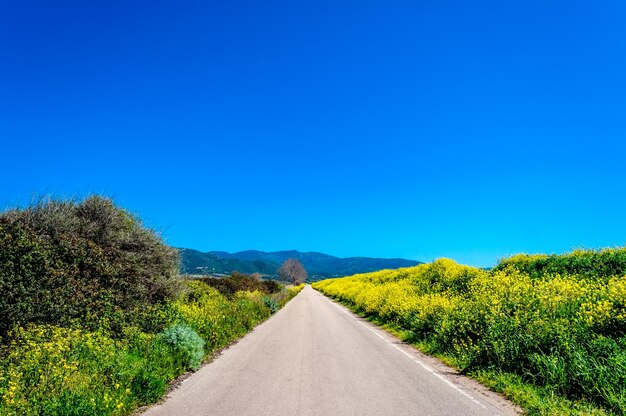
(470, 130)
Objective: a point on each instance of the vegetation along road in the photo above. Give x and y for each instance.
(315, 357)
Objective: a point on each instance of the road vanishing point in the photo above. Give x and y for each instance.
(315, 357)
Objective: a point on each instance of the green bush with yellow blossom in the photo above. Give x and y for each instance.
(555, 322)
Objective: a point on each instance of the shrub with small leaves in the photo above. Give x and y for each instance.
(185, 342)
(271, 304)
(89, 260)
(238, 282)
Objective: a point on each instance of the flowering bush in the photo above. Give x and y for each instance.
(62, 371)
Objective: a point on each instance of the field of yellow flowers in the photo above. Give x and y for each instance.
(54, 370)
(554, 323)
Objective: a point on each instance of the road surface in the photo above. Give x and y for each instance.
(314, 357)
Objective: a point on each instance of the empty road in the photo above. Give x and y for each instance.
(314, 357)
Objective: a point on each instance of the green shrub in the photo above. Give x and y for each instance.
(238, 282)
(186, 343)
(272, 304)
(589, 264)
(271, 286)
(64, 260)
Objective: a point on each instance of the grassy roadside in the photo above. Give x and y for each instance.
(94, 319)
(533, 399)
(54, 370)
(552, 343)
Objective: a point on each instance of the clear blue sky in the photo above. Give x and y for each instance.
(469, 130)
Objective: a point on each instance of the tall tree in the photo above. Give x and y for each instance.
(292, 270)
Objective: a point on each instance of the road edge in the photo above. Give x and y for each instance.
(471, 388)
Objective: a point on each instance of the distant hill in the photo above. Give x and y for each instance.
(318, 265)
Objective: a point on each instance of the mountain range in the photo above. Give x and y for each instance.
(318, 265)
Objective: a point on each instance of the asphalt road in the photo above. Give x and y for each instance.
(315, 357)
